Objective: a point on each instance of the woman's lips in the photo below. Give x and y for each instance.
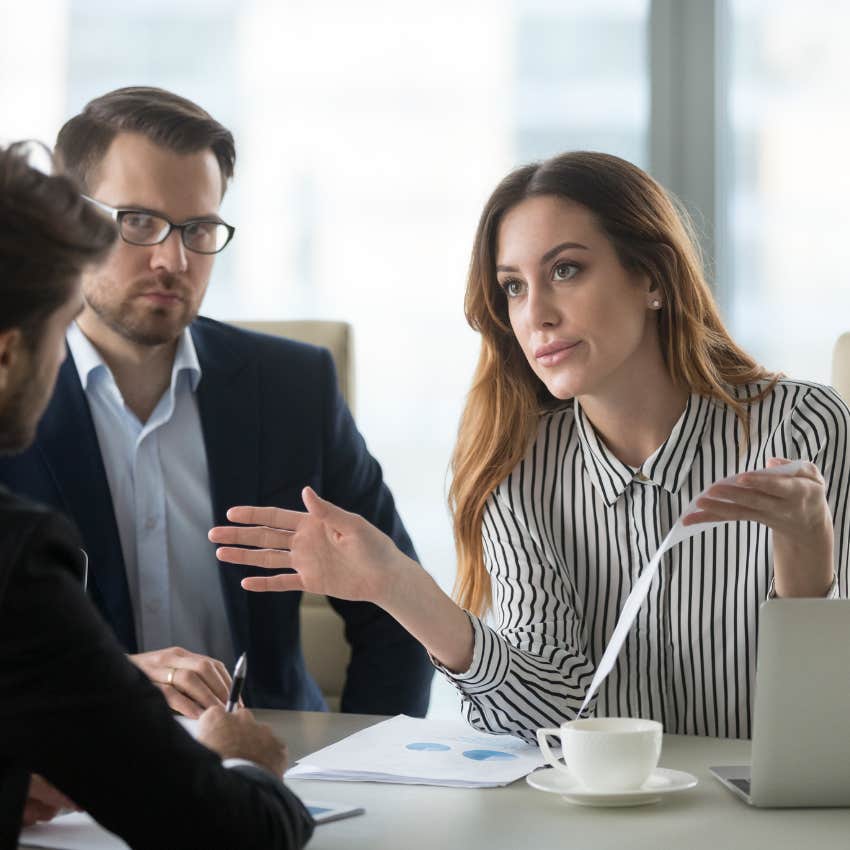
(554, 353)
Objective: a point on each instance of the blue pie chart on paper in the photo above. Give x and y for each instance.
(427, 746)
(488, 755)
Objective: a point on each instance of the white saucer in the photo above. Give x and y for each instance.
(660, 783)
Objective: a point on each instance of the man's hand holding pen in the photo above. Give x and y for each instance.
(237, 735)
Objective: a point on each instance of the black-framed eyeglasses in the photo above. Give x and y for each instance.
(145, 228)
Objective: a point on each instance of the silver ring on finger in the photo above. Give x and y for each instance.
(170, 679)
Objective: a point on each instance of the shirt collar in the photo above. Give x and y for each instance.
(186, 360)
(667, 467)
(90, 364)
(86, 357)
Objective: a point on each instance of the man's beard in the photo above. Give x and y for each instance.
(143, 327)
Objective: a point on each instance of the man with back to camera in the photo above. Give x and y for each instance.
(143, 443)
(72, 707)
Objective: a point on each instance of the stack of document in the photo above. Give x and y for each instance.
(410, 751)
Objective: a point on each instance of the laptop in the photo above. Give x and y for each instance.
(801, 722)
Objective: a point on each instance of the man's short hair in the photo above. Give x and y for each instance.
(48, 235)
(164, 118)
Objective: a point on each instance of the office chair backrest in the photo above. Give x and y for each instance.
(841, 367)
(323, 643)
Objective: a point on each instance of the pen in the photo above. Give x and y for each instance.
(238, 681)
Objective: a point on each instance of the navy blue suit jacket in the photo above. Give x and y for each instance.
(273, 421)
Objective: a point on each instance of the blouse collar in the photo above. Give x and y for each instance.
(667, 467)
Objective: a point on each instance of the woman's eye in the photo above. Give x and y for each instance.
(512, 288)
(565, 271)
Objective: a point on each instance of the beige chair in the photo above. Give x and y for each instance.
(322, 630)
(841, 367)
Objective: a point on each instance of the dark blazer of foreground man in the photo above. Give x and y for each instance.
(72, 707)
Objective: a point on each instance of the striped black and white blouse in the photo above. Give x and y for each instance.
(568, 532)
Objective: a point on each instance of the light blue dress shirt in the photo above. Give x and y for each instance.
(159, 481)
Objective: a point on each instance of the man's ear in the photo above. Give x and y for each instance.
(11, 342)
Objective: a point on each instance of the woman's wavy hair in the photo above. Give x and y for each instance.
(652, 236)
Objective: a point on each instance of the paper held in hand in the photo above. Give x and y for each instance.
(410, 751)
(635, 599)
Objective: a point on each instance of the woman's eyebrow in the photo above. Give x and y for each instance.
(552, 252)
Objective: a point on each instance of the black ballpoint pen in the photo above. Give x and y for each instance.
(238, 681)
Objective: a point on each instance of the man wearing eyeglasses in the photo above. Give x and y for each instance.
(162, 420)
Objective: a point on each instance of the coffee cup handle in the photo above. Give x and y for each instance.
(551, 758)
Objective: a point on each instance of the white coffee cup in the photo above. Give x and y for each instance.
(606, 753)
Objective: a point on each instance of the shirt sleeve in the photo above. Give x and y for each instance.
(818, 430)
(529, 669)
(831, 593)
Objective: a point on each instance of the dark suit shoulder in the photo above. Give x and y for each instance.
(282, 370)
(210, 335)
(19, 516)
(19, 508)
(21, 520)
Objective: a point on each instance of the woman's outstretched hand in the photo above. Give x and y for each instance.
(331, 551)
(337, 553)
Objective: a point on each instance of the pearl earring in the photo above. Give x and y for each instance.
(655, 304)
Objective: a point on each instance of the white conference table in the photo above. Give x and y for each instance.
(517, 816)
(419, 817)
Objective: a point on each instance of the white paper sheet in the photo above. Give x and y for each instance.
(677, 534)
(75, 831)
(189, 724)
(408, 750)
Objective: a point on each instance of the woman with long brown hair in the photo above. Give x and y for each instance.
(608, 394)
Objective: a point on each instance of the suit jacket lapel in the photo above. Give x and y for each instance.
(68, 442)
(228, 401)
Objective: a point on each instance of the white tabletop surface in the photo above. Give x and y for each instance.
(519, 818)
